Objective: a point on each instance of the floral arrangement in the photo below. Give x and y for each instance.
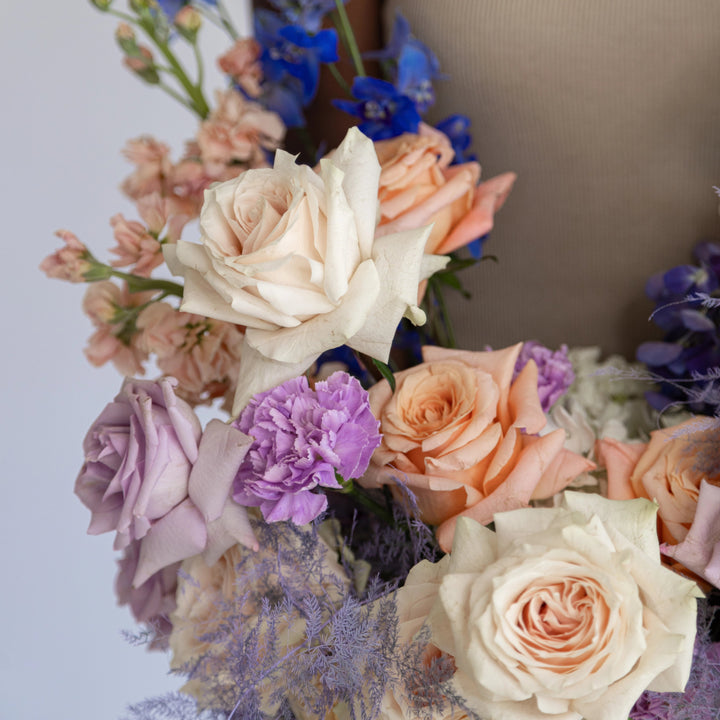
(375, 524)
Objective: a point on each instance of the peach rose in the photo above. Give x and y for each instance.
(562, 613)
(464, 437)
(671, 470)
(418, 187)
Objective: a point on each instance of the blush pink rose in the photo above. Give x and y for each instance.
(560, 614)
(671, 470)
(419, 187)
(465, 437)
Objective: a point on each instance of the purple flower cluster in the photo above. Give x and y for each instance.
(303, 437)
(555, 373)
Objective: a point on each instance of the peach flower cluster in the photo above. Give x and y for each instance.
(202, 354)
(419, 187)
(114, 340)
(678, 469)
(70, 262)
(465, 438)
(242, 63)
(138, 243)
(237, 135)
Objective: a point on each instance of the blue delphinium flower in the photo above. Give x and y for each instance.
(689, 314)
(456, 128)
(384, 111)
(291, 59)
(410, 64)
(307, 14)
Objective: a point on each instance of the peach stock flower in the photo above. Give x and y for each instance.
(672, 469)
(242, 63)
(238, 131)
(152, 167)
(202, 354)
(464, 437)
(102, 303)
(70, 262)
(418, 187)
(563, 613)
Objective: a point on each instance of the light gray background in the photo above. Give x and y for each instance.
(67, 109)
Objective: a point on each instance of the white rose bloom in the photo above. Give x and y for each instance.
(292, 256)
(562, 613)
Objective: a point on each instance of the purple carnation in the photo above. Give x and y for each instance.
(302, 437)
(555, 373)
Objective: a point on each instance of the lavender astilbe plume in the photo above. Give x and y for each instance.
(303, 437)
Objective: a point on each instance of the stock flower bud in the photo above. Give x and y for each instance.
(125, 38)
(102, 4)
(142, 63)
(188, 22)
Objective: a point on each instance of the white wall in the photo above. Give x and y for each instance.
(67, 109)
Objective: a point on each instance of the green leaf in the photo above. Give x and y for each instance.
(386, 372)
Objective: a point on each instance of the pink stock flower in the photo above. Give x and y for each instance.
(113, 340)
(135, 246)
(149, 477)
(152, 166)
(242, 63)
(69, 262)
(160, 213)
(238, 132)
(203, 354)
(419, 187)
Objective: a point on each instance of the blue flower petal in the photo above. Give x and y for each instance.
(657, 354)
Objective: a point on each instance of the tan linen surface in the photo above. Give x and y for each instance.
(609, 111)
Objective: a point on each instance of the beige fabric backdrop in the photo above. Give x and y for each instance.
(609, 111)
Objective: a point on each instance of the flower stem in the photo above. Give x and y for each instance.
(139, 284)
(348, 37)
(339, 78)
(361, 497)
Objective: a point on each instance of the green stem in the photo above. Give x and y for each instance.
(339, 78)
(445, 316)
(226, 21)
(348, 36)
(176, 96)
(140, 284)
(362, 498)
(199, 104)
(199, 64)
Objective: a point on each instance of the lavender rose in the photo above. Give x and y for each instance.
(138, 457)
(302, 437)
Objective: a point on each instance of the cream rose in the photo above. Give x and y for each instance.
(292, 255)
(562, 613)
(464, 437)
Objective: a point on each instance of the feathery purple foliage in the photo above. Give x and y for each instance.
(302, 438)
